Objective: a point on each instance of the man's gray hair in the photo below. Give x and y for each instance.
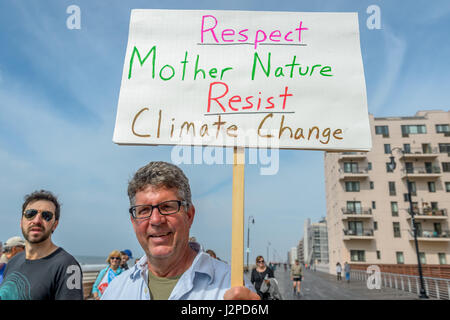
(160, 174)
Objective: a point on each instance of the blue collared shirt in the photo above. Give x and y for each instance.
(206, 279)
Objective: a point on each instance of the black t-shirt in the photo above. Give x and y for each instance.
(258, 277)
(55, 277)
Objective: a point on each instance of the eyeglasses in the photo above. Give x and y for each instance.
(144, 211)
(30, 213)
(260, 261)
(115, 258)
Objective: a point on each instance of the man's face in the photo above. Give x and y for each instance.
(163, 236)
(37, 229)
(124, 259)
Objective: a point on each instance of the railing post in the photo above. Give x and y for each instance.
(409, 284)
(403, 287)
(448, 288)
(437, 289)
(417, 283)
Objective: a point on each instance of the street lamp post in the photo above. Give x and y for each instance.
(252, 220)
(392, 166)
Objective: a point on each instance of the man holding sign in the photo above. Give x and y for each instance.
(162, 214)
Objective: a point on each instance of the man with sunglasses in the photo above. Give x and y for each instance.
(43, 271)
(172, 268)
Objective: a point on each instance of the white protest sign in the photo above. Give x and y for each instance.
(291, 80)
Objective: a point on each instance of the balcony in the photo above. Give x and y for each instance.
(420, 154)
(361, 213)
(357, 156)
(365, 234)
(431, 236)
(422, 173)
(359, 174)
(429, 214)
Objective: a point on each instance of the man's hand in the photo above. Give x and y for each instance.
(240, 293)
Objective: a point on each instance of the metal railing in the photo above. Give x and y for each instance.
(438, 288)
(363, 232)
(422, 170)
(433, 234)
(346, 210)
(421, 151)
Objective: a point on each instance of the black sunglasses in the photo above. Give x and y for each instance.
(260, 261)
(30, 213)
(113, 258)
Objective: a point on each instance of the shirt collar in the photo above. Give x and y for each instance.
(201, 264)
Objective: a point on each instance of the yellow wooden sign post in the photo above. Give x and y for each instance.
(237, 229)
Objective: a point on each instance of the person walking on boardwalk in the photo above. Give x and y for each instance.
(43, 271)
(338, 271)
(296, 276)
(258, 275)
(106, 275)
(347, 271)
(161, 213)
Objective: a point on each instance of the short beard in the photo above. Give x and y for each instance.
(42, 238)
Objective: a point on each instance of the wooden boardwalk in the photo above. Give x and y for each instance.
(322, 286)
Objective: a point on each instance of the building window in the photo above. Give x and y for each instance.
(406, 148)
(374, 205)
(352, 186)
(392, 191)
(350, 167)
(371, 185)
(388, 167)
(378, 254)
(384, 130)
(426, 148)
(396, 226)
(413, 129)
(447, 186)
(442, 128)
(444, 147)
(400, 258)
(446, 166)
(375, 225)
(387, 149)
(409, 167)
(431, 186)
(369, 166)
(422, 258)
(411, 185)
(394, 208)
(358, 255)
(354, 207)
(442, 258)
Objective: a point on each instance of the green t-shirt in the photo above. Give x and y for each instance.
(161, 288)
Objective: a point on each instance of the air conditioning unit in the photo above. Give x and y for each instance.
(447, 134)
(405, 135)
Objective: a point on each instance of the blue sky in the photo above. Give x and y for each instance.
(58, 96)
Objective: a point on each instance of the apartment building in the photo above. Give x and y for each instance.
(315, 242)
(367, 199)
(292, 255)
(300, 256)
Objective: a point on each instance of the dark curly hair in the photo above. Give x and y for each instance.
(42, 195)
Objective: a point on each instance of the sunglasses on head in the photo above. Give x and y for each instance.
(30, 213)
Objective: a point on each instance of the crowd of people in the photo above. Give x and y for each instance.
(171, 268)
